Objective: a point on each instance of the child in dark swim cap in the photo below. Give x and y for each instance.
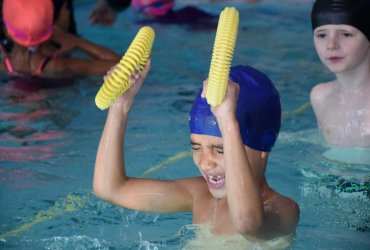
(230, 145)
(341, 30)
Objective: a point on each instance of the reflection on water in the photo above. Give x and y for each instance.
(31, 123)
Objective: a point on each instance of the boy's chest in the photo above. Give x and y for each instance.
(215, 213)
(346, 121)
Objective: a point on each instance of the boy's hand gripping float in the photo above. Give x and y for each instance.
(223, 50)
(135, 58)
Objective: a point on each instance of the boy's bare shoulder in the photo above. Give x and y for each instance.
(320, 94)
(282, 212)
(279, 201)
(320, 91)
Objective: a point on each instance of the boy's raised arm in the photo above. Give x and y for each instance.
(109, 174)
(243, 195)
(110, 181)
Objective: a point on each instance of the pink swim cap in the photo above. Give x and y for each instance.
(28, 22)
(153, 8)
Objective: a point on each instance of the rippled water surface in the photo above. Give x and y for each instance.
(48, 141)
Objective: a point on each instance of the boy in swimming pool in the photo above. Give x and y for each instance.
(341, 32)
(230, 145)
(29, 24)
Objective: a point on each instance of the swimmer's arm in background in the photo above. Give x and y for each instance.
(243, 196)
(69, 42)
(102, 14)
(79, 66)
(100, 61)
(110, 181)
(105, 11)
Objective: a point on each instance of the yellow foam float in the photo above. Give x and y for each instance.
(134, 59)
(222, 55)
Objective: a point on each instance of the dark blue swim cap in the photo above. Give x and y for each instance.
(258, 110)
(350, 12)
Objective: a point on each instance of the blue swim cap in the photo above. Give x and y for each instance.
(258, 110)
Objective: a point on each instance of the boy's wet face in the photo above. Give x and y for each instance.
(209, 158)
(340, 47)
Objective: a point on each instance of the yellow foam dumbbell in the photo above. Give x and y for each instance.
(134, 59)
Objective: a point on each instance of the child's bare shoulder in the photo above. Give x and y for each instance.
(281, 202)
(284, 210)
(321, 92)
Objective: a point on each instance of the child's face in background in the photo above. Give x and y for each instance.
(208, 155)
(341, 47)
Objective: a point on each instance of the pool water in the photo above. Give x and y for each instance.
(49, 138)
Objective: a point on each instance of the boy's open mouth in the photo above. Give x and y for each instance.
(215, 181)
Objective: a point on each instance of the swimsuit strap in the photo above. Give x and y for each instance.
(8, 64)
(6, 58)
(41, 67)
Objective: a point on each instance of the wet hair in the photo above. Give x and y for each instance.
(350, 12)
(258, 110)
